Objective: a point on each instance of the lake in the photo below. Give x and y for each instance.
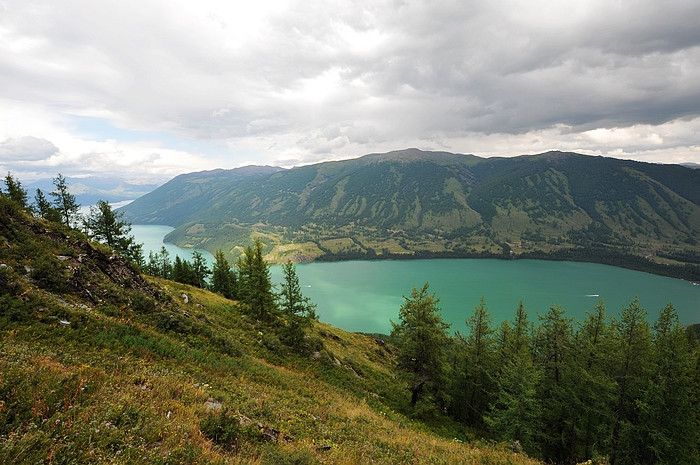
(366, 295)
(151, 236)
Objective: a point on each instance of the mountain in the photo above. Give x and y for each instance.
(99, 364)
(89, 190)
(412, 203)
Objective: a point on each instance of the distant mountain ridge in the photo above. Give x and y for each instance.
(412, 203)
(89, 190)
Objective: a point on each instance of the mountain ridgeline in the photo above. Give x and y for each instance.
(412, 204)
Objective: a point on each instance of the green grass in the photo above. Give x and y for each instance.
(107, 368)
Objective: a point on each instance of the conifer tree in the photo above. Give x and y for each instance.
(64, 201)
(479, 364)
(254, 282)
(223, 279)
(421, 338)
(15, 191)
(109, 227)
(669, 410)
(159, 264)
(514, 415)
(554, 356)
(44, 209)
(200, 271)
(593, 394)
(292, 301)
(631, 372)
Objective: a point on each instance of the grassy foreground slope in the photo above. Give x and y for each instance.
(101, 365)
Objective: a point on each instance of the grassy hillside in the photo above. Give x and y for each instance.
(101, 365)
(414, 203)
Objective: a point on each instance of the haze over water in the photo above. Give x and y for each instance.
(366, 295)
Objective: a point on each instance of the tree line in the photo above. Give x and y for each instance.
(611, 390)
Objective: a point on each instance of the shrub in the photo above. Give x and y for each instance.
(222, 427)
(49, 273)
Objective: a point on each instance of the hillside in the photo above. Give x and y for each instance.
(416, 204)
(101, 365)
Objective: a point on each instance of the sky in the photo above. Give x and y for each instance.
(150, 89)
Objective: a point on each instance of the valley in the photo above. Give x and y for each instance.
(415, 204)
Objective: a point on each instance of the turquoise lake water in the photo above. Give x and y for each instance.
(366, 295)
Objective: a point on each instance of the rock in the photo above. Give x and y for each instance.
(185, 298)
(64, 322)
(516, 447)
(213, 405)
(270, 434)
(316, 355)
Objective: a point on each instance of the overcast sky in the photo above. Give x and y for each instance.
(160, 88)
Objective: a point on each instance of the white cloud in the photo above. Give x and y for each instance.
(26, 149)
(193, 85)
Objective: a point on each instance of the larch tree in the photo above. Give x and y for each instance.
(223, 278)
(554, 357)
(593, 394)
(669, 408)
(514, 414)
(631, 371)
(44, 209)
(421, 338)
(15, 191)
(479, 364)
(255, 285)
(64, 201)
(109, 227)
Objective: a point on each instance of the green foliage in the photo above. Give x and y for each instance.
(109, 227)
(64, 201)
(292, 300)
(421, 340)
(48, 272)
(222, 427)
(44, 209)
(426, 204)
(223, 278)
(15, 191)
(255, 285)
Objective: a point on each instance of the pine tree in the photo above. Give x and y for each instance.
(631, 372)
(159, 264)
(200, 271)
(479, 364)
(292, 301)
(44, 209)
(15, 191)
(514, 415)
(593, 396)
(64, 201)
(669, 411)
(554, 353)
(109, 227)
(254, 282)
(421, 338)
(223, 279)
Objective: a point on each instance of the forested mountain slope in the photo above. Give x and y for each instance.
(415, 203)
